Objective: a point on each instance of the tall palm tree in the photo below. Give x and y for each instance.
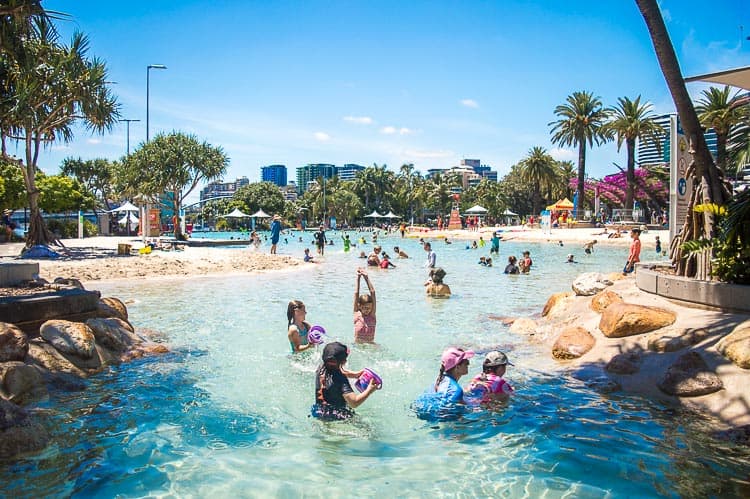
(631, 121)
(566, 171)
(708, 182)
(581, 121)
(538, 169)
(717, 110)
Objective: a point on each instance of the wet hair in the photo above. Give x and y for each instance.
(636, 230)
(293, 305)
(364, 299)
(437, 274)
(512, 259)
(395, 248)
(440, 377)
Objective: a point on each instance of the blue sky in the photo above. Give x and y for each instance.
(423, 82)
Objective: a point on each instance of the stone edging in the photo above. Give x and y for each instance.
(721, 295)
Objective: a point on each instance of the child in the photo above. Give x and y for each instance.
(482, 260)
(436, 288)
(571, 259)
(334, 397)
(298, 326)
(400, 253)
(490, 385)
(495, 247)
(635, 251)
(525, 264)
(511, 268)
(489, 262)
(308, 256)
(364, 311)
(347, 243)
(362, 255)
(445, 399)
(385, 263)
(658, 245)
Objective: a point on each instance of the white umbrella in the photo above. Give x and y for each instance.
(374, 214)
(260, 214)
(129, 218)
(477, 209)
(236, 213)
(391, 215)
(510, 213)
(127, 206)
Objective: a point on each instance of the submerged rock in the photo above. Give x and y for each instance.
(626, 319)
(689, 376)
(604, 299)
(113, 333)
(676, 339)
(19, 433)
(523, 325)
(603, 384)
(572, 343)
(736, 345)
(555, 303)
(624, 363)
(13, 343)
(590, 283)
(73, 338)
(19, 380)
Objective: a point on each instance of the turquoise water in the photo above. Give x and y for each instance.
(226, 413)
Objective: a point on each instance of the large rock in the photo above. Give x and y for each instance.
(590, 283)
(19, 380)
(19, 434)
(672, 340)
(13, 343)
(45, 356)
(736, 345)
(556, 302)
(113, 333)
(572, 343)
(626, 319)
(112, 307)
(624, 363)
(74, 338)
(523, 325)
(604, 299)
(689, 376)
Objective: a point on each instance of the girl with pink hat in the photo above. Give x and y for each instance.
(445, 399)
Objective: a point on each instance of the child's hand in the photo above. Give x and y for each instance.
(373, 385)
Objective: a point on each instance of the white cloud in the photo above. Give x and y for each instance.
(93, 141)
(561, 154)
(428, 154)
(470, 103)
(388, 130)
(322, 136)
(360, 120)
(405, 131)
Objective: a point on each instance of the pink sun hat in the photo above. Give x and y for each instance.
(454, 356)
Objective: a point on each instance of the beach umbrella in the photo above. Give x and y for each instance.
(563, 204)
(131, 221)
(260, 214)
(236, 213)
(390, 214)
(374, 214)
(127, 206)
(477, 209)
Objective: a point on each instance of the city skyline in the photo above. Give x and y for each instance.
(428, 83)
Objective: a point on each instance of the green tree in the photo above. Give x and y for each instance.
(14, 189)
(260, 195)
(708, 181)
(631, 121)
(95, 174)
(61, 194)
(581, 121)
(717, 110)
(538, 169)
(515, 192)
(173, 164)
(48, 87)
(566, 171)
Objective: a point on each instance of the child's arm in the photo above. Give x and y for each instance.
(351, 374)
(293, 336)
(371, 288)
(356, 291)
(354, 400)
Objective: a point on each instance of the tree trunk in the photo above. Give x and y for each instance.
(708, 182)
(38, 233)
(177, 226)
(581, 177)
(630, 191)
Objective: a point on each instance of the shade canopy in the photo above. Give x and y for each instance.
(127, 206)
(477, 209)
(563, 204)
(738, 77)
(374, 214)
(236, 213)
(510, 213)
(128, 218)
(390, 214)
(260, 214)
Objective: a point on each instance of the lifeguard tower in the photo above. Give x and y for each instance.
(455, 220)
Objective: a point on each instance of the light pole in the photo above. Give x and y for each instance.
(148, 72)
(128, 121)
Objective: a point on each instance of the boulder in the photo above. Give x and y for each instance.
(626, 319)
(19, 433)
(113, 333)
(69, 282)
(523, 325)
(689, 376)
(13, 343)
(116, 305)
(555, 303)
(590, 283)
(19, 380)
(624, 363)
(45, 356)
(603, 384)
(671, 340)
(615, 276)
(572, 343)
(738, 435)
(604, 299)
(74, 338)
(736, 345)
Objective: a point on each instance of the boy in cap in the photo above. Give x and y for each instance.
(334, 397)
(490, 385)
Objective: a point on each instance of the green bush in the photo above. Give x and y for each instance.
(67, 229)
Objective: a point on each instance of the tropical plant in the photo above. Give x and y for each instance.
(14, 189)
(256, 196)
(631, 121)
(95, 174)
(708, 182)
(171, 166)
(566, 173)
(717, 110)
(538, 169)
(516, 193)
(58, 194)
(46, 88)
(581, 121)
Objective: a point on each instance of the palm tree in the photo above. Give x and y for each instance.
(538, 169)
(631, 121)
(717, 110)
(581, 121)
(708, 182)
(566, 171)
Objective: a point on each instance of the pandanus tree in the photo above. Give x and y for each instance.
(581, 121)
(46, 88)
(170, 167)
(630, 121)
(709, 187)
(95, 174)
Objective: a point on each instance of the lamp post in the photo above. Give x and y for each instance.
(128, 121)
(148, 72)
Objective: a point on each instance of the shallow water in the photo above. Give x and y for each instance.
(226, 413)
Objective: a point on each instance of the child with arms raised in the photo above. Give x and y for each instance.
(364, 311)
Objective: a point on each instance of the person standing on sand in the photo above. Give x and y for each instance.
(275, 233)
(635, 251)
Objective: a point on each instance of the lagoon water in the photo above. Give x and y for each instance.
(226, 413)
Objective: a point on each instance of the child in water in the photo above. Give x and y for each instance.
(364, 311)
(298, 327)
(445, 399)
(490, 385)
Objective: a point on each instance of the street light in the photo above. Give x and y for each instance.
(128, 121)
(148, 72)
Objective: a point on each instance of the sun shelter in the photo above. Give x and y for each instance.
(477, 210)
(738, 77)
(236, 213)
(390, 214)
(260, 214)
(510, 218)
(374, 214)
(563, 204)
(127, 207)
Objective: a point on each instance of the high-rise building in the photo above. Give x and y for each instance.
(348, 171)
(471, 163)
(220, 189)
(311, 172)
(275, 174)
(650, 154)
